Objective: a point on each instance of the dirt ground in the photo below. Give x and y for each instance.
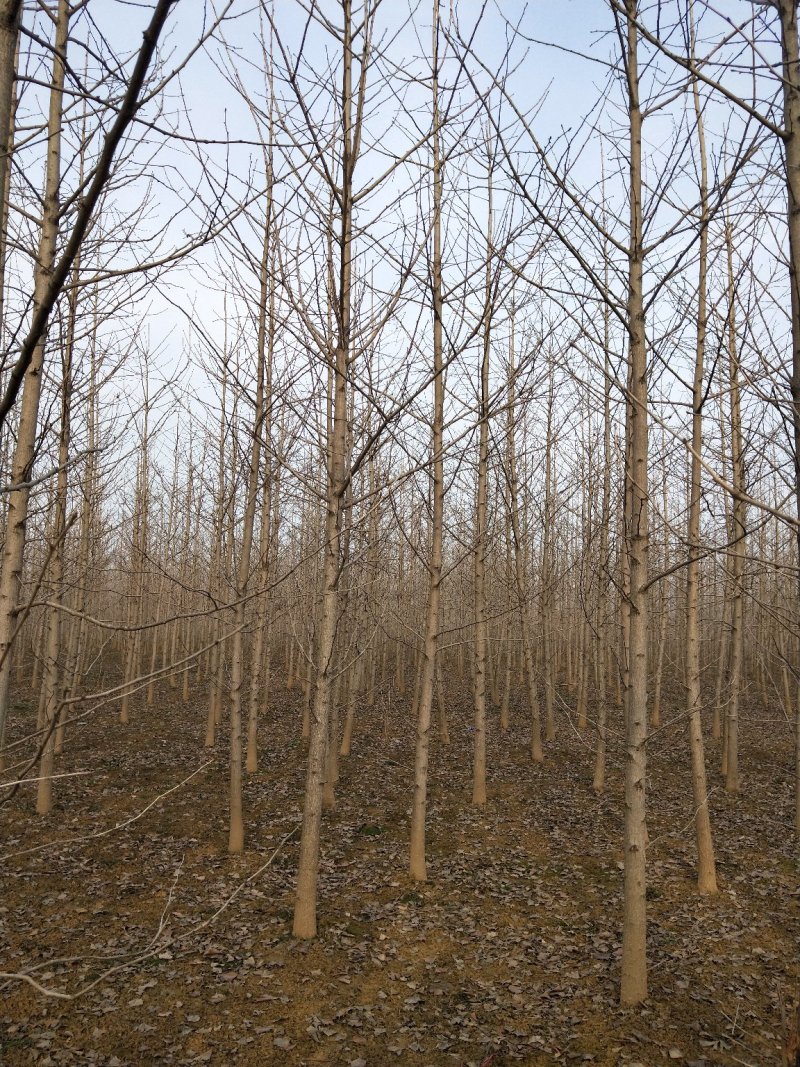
(508, 954)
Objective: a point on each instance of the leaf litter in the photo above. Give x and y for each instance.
(509, 953)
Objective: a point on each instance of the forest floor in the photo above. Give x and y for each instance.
(509, 953)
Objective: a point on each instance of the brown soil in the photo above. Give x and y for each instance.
(508, 954)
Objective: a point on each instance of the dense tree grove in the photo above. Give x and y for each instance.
(431, 371)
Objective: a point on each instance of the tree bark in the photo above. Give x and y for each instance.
(481, 518)
(25, 450)
(10, 17)
(417, 859)
(305, 913)
(706, 868)
(739, 532)
(791, 109)
(634, 934)
(520, 579)
(602, 597)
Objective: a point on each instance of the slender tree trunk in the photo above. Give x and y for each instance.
(261, 673)
(217, 657)
(655, 715)
(520, 579)
(482, 514)
(55, 673)
(791, 108)
(723, 649)
(181, 630)
(89, 493)
(634, 934)
(139, 542)
(546, 582)
(25, 450)
(605, 563)
(706, 868)
(347, 733)
(739, 532)
(305, 913)
(10, 16)
(260, 663)
(417, 864)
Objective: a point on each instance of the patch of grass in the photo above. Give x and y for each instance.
(368, 830)
(8, 1043)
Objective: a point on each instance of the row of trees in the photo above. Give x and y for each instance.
(462, 394)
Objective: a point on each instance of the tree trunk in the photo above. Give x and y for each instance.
(55, 675)
(546, 581)
(305, 913)
(791, 109)
(10, 16)
(25, 450)
(537, 754)
(605, 563)
(481, 514)
(706, 868)
(417, 864)
(737, 549)
(634, 934)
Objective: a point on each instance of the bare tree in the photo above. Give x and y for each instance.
(418, 867)
(706, 871)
